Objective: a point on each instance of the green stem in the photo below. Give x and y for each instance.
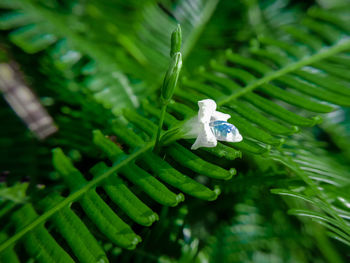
(160, 126)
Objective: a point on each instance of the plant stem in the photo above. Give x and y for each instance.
(160, 126)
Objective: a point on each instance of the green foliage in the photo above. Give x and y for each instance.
(100, 79)
(326, 181)
(16, 193)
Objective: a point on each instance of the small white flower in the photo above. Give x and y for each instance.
(211, 126)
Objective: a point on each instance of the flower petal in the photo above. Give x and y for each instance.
(233, 137)
(219, 116)
(206, 109)
(207, 133)
(191, 128)
(205, 138)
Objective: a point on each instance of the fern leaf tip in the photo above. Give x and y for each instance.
(179, 198)
(317, 120)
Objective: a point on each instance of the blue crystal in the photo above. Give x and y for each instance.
(221, 129)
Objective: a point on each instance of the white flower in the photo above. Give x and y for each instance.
(211, 126)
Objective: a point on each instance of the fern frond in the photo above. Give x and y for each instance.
(326, 187)
(40, 26)
(259, 90)
(264, 90)
(192, 15)
(337, 126)
(8, 255)
(15, 193)
(84, 192)
(254, 235)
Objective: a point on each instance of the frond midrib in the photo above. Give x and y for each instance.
(340, 46)
(74, 196)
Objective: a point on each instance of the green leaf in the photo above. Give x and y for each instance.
(15, 193)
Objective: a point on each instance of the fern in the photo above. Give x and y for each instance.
(286, 74)
(249, 237)
(256, 235)
(269, 91)
(337, 125)
(326, 183)
(109, 58)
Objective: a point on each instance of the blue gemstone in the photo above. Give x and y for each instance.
(221, 129)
